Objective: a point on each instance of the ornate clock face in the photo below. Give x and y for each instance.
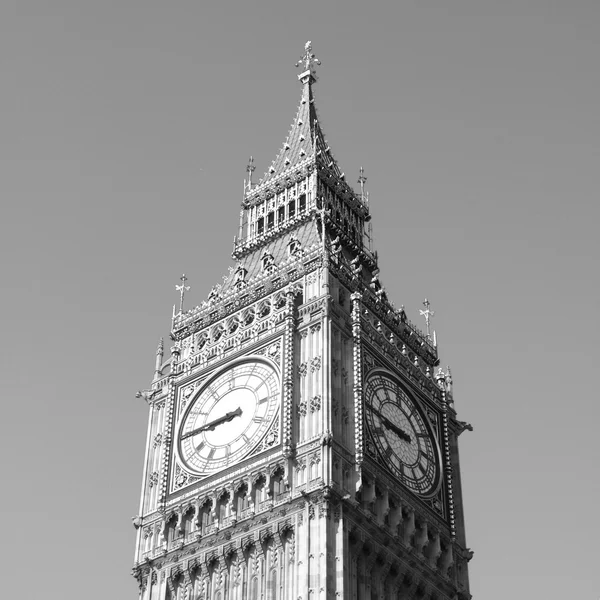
(401, 434)
(229, 416)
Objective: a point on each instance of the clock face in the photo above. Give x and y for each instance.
(229, 416)
(401, 434)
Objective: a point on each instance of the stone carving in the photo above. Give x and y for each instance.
(335, 406)
(147, 395)
(345, 415)
(315, 404)
(345, 376)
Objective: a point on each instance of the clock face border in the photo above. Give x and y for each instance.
(408, 400)
(266, 409)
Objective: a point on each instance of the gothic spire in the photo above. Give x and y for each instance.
(305, 142)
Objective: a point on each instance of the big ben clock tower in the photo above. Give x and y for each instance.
(302, 440)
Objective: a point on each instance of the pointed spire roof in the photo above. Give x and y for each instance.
(305, 142)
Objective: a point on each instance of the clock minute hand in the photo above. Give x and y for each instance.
(399, 432)
(225, 418)
(210, 426)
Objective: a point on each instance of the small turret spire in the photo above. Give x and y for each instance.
(159, 356)
(250, 169)
(362, 180)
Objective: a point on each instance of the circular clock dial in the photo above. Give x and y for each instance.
(401, 434)
(229, 416)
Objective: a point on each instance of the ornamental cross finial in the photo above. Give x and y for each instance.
(427, 313)
(250, 169)
(308, 59)
(182, 289)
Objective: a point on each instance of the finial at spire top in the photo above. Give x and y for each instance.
(427, 313)
(182, 289)
(307, 61)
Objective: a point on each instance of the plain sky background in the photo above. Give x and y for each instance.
(125, 129)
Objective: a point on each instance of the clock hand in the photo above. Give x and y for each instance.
(224, 419)
(392, 426)
(210, 426)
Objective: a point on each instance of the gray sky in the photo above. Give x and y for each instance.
(125, 128)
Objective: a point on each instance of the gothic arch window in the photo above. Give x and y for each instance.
(241, 500)
(280, 301)
(264, 309)
(268, 262)
(239, 277)
(254, 589)
(248, 317)
(272, 584)
(223, 507)
(171, 532)
(232, 325)
(206, 516)
(294, 247)
(215, 294)
(217, 333)
(278, 484)
(259, 490)
(187, 521)
(301, 474)
(201, 340)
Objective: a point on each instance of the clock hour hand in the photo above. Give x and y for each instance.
(211, 426)
(392, 426)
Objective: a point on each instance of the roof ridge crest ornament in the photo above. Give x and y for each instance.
(307, 62)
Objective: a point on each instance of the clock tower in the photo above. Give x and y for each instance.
(302, 440)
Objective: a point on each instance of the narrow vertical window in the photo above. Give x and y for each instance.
(272, 585)
(302, 203)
